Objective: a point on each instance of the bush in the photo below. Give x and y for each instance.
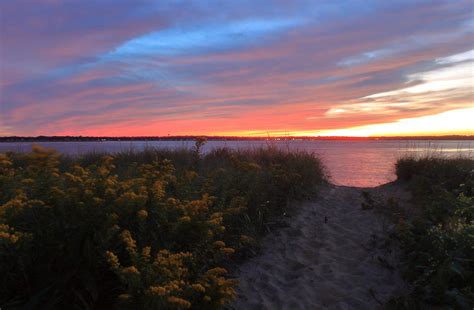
(149, 229)
(439, 242)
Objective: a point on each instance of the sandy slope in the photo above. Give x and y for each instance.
(316, 265)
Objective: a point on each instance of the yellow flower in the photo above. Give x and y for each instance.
(5, 161)
(228, 251)
(216, 271)
(12, 238)
(216, 215)
(78, 170)
(130, 270)
(198, 288)
(127, 238)
(109, 193)
(157, 290)
(142, 214)
(172, 201)
(219, 244)
(158, 189)
(113, 216)
(184, 219)
(216, 219)
(235, 211)
(180, 302)
(214, 222)
(98, 201)
(146, 251)
(28, 182)
(115, 228)
(36, 203)
(57, 191)
(254, 166)
(246, 239)
(112, 259)
(124, 297)
(191, 175)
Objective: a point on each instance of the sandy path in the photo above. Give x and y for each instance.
(316, 265)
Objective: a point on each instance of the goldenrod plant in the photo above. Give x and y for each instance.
(151, 229)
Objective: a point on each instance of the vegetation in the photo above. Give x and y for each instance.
(438, 241)
(154, 229)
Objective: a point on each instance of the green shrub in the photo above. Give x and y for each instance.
(439, 241)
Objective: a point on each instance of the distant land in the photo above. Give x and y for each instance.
(220, 138)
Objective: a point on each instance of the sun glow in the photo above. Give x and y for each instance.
(454, 122)
(458, 121)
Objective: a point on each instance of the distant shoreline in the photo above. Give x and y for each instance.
(221, 138)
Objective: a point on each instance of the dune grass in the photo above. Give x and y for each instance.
(151, 229)
(438, 242)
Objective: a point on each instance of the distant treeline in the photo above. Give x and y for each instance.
(219, 138)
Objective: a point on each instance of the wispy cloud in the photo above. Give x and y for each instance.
(440, 89)
(214, 37)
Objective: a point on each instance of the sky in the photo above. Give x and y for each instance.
(250, 68)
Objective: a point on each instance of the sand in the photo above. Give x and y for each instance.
(312, 264)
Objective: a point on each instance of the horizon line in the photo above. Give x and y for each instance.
(13, 138)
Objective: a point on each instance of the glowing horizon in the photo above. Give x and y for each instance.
(158, 68)
(460, 122)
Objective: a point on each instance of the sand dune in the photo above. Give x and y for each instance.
(311, 264)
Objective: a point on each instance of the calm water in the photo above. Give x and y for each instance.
(351, 163)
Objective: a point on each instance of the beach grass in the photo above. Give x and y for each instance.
(438, 240)
(139, 229)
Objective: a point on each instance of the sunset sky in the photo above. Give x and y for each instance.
(142, 67)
